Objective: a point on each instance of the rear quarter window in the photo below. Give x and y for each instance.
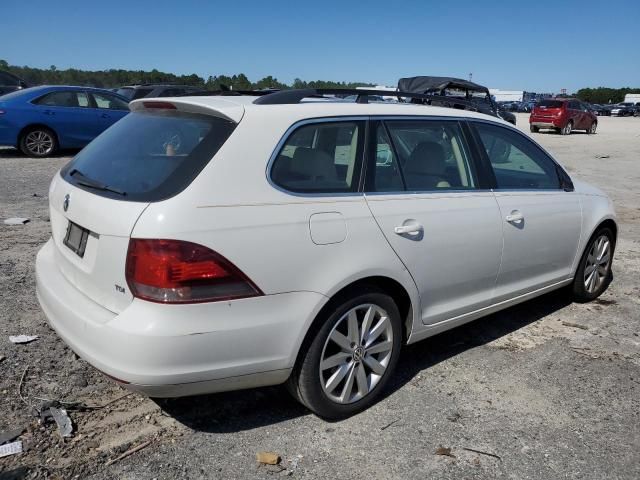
(323, 157)
(150, 156)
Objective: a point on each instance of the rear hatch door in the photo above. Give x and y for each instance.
(95, 201)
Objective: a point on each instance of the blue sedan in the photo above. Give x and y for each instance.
(41, 120)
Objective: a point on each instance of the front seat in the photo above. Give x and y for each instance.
(426, 167)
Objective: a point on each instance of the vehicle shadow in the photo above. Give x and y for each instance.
(248, 409)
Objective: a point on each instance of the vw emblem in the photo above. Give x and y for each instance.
(65, 204)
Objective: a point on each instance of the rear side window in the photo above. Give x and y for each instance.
(64, 99)
(516, 161)
(321, 158)
(431, 155)
(148, 156)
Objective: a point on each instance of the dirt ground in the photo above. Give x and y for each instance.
(547, 389)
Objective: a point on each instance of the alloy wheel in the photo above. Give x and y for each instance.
(39, 142)
(567, 129)
(356, 353)
(597, 264)
(594, 125)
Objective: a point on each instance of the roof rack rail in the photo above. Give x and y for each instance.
(228, 93)
(288, 97)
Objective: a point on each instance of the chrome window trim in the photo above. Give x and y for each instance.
(356, 118)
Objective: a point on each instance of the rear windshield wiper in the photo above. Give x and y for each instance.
(91, 183)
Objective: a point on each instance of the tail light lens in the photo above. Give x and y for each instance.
(173, 271)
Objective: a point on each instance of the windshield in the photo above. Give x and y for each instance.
(148, 156)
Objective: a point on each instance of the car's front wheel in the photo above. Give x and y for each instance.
(594, 271)
(344, 367)
(38, 142)
(592, 129)
(567, 128)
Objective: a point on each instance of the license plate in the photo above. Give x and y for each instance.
(76, 238)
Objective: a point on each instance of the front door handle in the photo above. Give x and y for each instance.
(514, 217)
(412, 229)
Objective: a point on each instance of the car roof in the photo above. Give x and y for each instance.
(235, 107)
(33, 92)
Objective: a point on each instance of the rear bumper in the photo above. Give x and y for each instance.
(545, 123)
(179, 350)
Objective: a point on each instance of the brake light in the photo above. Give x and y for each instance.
(161, 105)
(173, 271)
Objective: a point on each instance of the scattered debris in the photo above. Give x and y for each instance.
(9, 435)
(454, 417)
(2, 358)
(65, 427)
(390, 424)
(444, 451)
(604, 301)
(482, 453)
(16, 221)
(603, 156)
(575, 325)
(268, 458)
(22, 338)
(11, 449)
(131, 451)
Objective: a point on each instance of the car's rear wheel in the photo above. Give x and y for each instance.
(592, 129)
(346, 364)
(38, 142)
(567, 128)
(534, 129)
(594, 271)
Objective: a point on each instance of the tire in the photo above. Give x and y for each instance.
(339, 390)
(592, 129)
(583, 290)
(533, 129)
(38, 142)
(566, 130)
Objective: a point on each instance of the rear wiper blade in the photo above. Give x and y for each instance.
(91, 183)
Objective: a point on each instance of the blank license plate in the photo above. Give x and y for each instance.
(76, 238)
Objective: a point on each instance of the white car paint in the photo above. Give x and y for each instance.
(300, 250)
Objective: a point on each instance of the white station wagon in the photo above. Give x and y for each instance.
(211, 243)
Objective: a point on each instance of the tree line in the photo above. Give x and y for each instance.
(604, 95)
(117, 77)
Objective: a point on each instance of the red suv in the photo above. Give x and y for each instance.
(562, 115)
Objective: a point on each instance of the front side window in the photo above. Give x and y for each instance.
(64, 99)
(516, 161)
(109, 102)
(431, 155)
(321, 158)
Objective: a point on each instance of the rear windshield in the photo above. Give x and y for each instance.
(551, 104)
(148, 156)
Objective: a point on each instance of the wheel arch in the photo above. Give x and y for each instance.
(36, 125)
(388, 285)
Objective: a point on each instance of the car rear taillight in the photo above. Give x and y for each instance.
(173, 271)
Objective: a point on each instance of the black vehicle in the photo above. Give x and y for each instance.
(133, 92)
(10, 83)
(454, 93)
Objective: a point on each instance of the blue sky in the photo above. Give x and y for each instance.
(536, 46)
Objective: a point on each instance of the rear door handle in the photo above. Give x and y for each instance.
(412, 229)
(105, 115)
(515, 216)
(49, 112)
